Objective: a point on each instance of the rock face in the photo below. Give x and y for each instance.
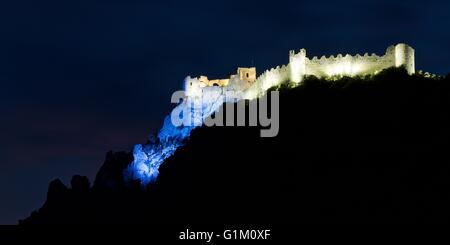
(351, 151)
(110, 175)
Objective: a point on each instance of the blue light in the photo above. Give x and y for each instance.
(149, 157)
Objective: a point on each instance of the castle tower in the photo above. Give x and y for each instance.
(297, 64)
(247, 74)
(404, 56)
(192, 87)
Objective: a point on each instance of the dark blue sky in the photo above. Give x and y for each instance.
(79, 78)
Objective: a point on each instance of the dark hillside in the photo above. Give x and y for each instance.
(355, 150)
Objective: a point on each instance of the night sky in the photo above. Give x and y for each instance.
(80, 78)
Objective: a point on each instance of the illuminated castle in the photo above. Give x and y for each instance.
(205, 97)
(246, 85)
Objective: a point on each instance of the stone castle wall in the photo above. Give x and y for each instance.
(300, 66)
(395, 56)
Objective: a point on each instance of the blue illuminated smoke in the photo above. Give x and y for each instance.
(149, 157)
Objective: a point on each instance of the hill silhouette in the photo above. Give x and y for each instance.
(369, 149)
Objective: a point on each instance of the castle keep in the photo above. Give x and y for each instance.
(245, 85)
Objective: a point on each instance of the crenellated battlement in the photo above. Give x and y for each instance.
(340, 56)
(246, 85)
(348, 65)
